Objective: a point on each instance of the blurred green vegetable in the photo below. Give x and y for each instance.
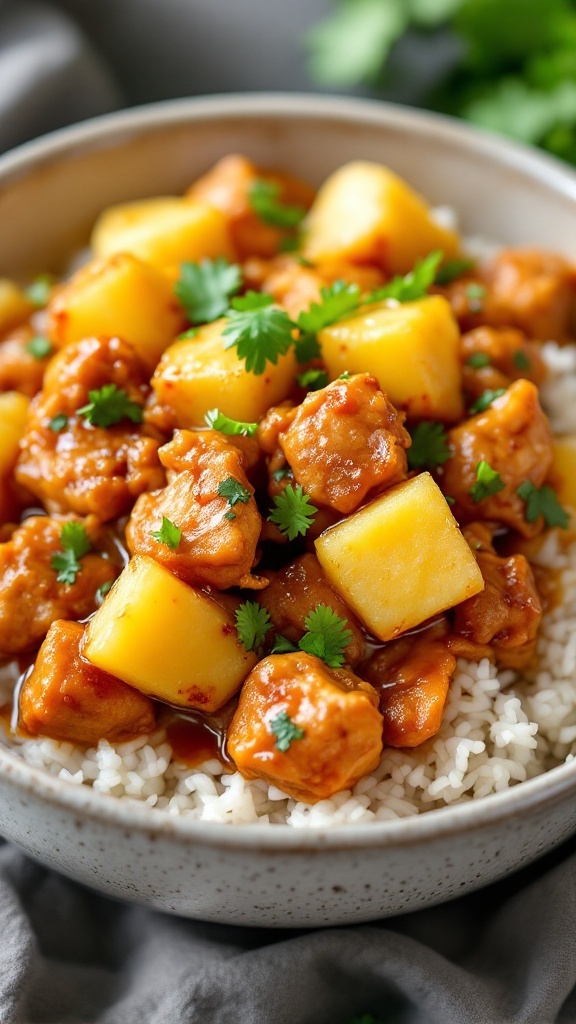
(511, 66)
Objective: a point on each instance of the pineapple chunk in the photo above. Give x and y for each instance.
(15, 308)
(167, 640)
(199, 374)
(413, 349)
(562, 474)
(365, 213)
(120, 296)
(13, 413)
(400, 559)
(163, 231)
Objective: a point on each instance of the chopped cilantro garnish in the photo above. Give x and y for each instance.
(104, 589)
(452, 270)
(75, 544)
(488, 482)
(283, 728)
(289, 243)
(58, 423)
(260, 330)
(234, 492)
(345, 376)
(39, 346)
(252, 624)
(313, 379)
(190, 333)
(282, 645)
(263, 198)
(485, 400)
(282, 473)
(429, 446)
(306, 348)
(413, 285)
(168, 534)
(327, 636)
(39, 291)
(294, 512)
(521, 360)
(337, 300)
(478, 360)
(110, 405)
(542, 501)
(450, 499)
(219, 421)
(475, 294)
(204, 288)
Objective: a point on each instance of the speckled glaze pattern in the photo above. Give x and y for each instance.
(50, 193)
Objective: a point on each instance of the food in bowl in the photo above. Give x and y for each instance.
(286, 530)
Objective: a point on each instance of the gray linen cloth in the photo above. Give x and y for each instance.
(506, 955)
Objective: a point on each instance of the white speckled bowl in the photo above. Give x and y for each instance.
(50, 193)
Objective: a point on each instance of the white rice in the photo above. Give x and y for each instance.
(498, 729)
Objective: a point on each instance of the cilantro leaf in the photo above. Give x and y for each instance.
(39, 291)
(478, 360)
(294, 512)
(488, 482)
(282, 645)
(313, 379)
(263, 198)
(260, 330)
(345, 376)
(283, 728)
(75, 544)
(252, 624)
(204, 288)
(327, 636)
(58, 423)
(219, 421)
(234, 492)
(168, 534)
(282, 472)
(429, 446)
(542, 501)
(110, 405)
(306, 348)
(475, 295)
(190, 333)
(521, 360)
(451, 270)
(485, 400)
(104, 589)
(338, 299)
(39, 346)
(413, 285)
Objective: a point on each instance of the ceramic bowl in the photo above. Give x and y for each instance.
(50, 193)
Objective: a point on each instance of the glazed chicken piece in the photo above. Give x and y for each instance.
(412, 676)
(76, 466)
(501, 622)
(510, 357)
(534, 289)
(295, 591)
(308, 729)
(210, 500)
(295, 286)
(67, 698)
(513, 436)
(346, 443)
(227, 187)
(31, 598)
(20, 369)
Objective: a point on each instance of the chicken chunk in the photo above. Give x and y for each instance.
(346, 443)
(296, 286)
(507, 355)
(71, 465)
(20, 369)
(412, 676)
(501, 622)
(534, 291)
(295, 591)
(31, 598)
(513, 436)
(210, 500)
(310, 730)
(69, 699)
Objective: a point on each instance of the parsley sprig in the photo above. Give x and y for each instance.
(75, 544)
(260, 330)
(542, 501)
(411, 286)
(337, 300)
(429, 446)
(217, 420)
(168, 534)
(264, 199)
(488, 482)
(110, 405)
(252, 625)
(283, 728)
(326, 637)
(293, 513)
(205, 288)
(234, 492)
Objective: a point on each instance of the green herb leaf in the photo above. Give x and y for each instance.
(75, 544)
(521, 360)
(190, 333)
(485, 400)
(345, 376)
(450, 499)
(168, 534)
(451, 270)
(204, 288)
(219, 421)
(283, 728)
(488, 483)
(282, 645)
(413, 285)
(294, 512)
(338, 300)
(39, 347)
(110, 405)
(306, 348)
(263, 198)
(234, 492)
(429, 446)
(313, 379)
(103, 590)
(260, 331)
(282, 473)
(352, 45)
(327, 636)
(478, 360)
(542, 501)
(252, 624)
(39, 291)
(58, 423)
(475, 294)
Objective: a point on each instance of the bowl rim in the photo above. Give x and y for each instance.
(549, 787)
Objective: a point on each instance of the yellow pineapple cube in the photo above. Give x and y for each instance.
(401, 559)
(163, 231)
(15, 307)
(562, 474)
(13, 413)
(167, 640)
(365, 213)
(412, 348)
(117, 296)
(199, 374)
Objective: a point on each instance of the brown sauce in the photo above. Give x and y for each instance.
(195, 738)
